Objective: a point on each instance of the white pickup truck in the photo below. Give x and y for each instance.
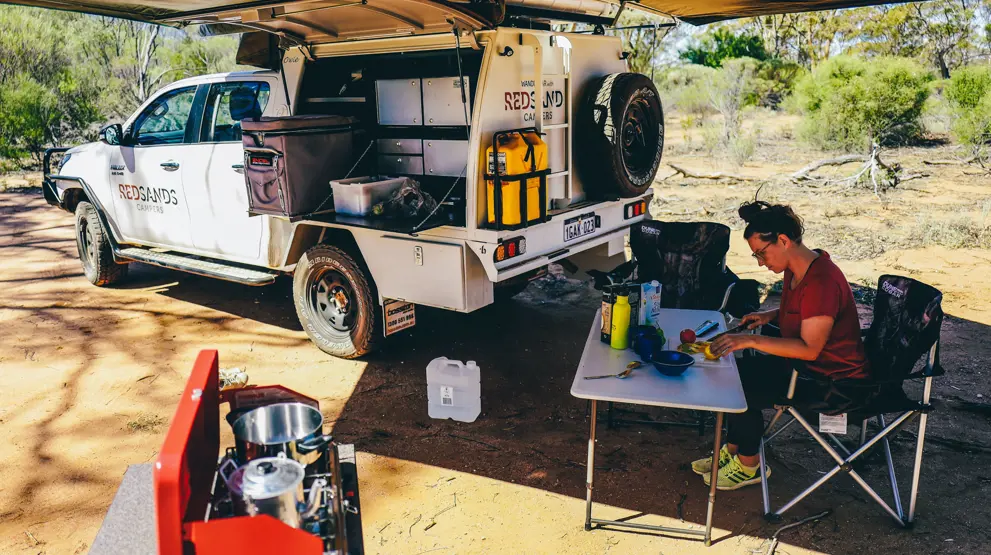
(167, 187)
(427, 84)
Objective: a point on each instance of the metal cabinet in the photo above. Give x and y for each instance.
(399, 102)
(441, 157)
(442, 103)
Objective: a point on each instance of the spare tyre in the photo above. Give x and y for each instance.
(620, 135)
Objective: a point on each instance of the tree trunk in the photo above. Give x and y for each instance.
(944, 71)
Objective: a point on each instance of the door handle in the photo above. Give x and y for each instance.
(239, 168)
(170, 165)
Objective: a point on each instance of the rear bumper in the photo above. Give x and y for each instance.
(546, 241)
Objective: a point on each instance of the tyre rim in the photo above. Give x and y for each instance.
(639, 137)
(87, 243)
(331, 298)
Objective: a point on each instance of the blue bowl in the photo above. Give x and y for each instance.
(671, 363)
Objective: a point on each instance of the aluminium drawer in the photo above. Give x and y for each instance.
(399, 146)
(400, 164)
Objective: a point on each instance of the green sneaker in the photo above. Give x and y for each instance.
(704, 466)
(734, 476)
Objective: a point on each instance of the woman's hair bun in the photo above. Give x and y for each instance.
(749, 211)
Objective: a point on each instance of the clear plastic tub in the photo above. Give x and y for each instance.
(357, 196)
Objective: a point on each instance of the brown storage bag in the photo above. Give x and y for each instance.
(289, 161)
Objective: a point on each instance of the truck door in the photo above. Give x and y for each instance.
(145, 172)
(214, 178)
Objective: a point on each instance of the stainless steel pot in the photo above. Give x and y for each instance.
(274, 486)
(294, 429)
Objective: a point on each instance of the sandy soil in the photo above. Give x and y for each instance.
(90, 378)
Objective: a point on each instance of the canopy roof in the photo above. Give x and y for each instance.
(335, 20)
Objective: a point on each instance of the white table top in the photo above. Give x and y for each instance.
(707, 385)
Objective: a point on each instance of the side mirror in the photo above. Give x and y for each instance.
(112, 134)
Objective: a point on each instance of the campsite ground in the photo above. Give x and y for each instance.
(90, 378)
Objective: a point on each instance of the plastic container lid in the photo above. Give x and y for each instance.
(269, 477)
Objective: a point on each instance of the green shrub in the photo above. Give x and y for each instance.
(684, 90)
(968, 93)
(848, 103)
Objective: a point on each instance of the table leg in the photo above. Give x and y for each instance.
(716, 445)
(591, 467)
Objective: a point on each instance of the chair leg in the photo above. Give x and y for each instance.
(763, 480)
(891, 471)
(863, 431)
(919, 444)
(843, 464)
(779, 430)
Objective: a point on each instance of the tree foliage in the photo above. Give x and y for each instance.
(849, 103)
(712, 50)
(64, 74)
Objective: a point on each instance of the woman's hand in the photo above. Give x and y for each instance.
(725, 344)
(755, 319)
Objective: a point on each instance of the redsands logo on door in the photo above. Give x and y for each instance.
(148, 199)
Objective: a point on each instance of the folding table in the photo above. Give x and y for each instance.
(707, 385)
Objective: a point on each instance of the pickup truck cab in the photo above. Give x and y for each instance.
(429, 85)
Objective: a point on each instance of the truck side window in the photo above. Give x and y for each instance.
(229, 103)
(164, 121)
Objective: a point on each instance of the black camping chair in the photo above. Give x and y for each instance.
(906, 326)
(688, 259)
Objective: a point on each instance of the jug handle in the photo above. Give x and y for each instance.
(313, 502)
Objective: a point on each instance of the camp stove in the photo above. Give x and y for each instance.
(271, 504)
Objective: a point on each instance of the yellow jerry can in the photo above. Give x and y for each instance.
(519, 153)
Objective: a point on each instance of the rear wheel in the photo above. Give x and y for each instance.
(94, 248)
(335, 302)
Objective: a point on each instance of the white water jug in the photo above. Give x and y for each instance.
(453, 390)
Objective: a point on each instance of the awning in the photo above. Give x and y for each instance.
(700, 12)
(320, 21)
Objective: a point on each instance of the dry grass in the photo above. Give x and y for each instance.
(147, 423)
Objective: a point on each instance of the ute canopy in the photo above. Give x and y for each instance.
(323, 21)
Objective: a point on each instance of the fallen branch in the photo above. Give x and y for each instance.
(966, 162)
(716, 175)
(803, 174)
(912, 176)
(774, 538)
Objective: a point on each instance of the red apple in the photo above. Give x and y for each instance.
(687, 336)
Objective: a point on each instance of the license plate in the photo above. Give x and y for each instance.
(579, 226)
(399, 315)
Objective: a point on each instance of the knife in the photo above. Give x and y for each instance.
(736, 329)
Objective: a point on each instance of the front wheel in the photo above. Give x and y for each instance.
(335, 303)
(94, 248)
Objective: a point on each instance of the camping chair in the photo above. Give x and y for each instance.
(688, 259)
(906, 326)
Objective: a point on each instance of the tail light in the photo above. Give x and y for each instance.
(632, 210)
(511, 248)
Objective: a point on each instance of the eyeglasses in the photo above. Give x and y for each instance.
(759, 255)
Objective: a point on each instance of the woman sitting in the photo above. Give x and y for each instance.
(820, 332)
